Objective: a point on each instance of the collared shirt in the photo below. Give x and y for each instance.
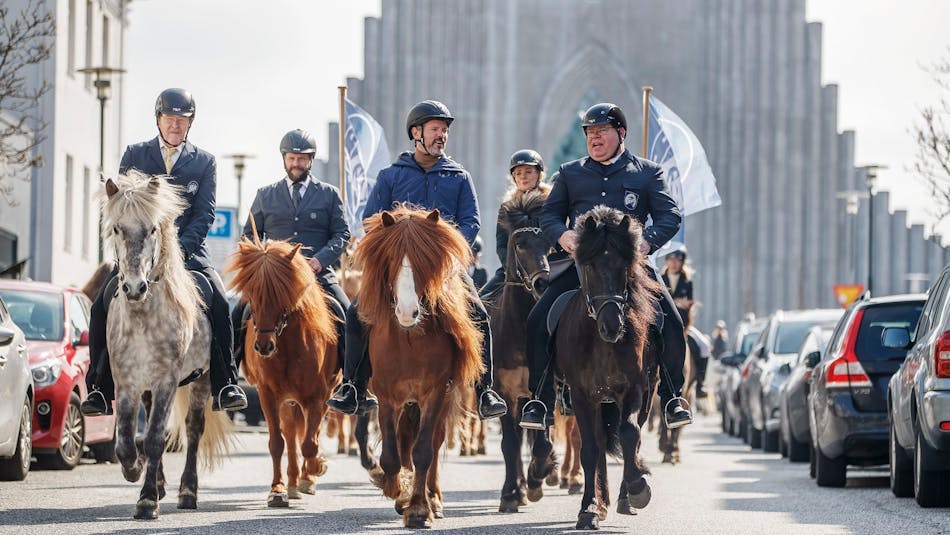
(303, 185)
(174, 156)
(615, 158)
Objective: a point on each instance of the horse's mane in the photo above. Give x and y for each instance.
(609, 233)
(437, 252)
(97, 280)
(274, 274)
(523, 210)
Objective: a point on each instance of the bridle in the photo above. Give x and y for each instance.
(596, 303)
(525, 279)
(279, 326)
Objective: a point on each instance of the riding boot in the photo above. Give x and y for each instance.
(671, 362)
(351, 396)
(535, 414)
(239, 326)
(226, 393)
(490, 404)
(99, 383)
(701, 365)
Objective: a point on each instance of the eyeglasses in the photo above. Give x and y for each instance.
(598, 132)
(176, 120)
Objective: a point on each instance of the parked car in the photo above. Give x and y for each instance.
(762, 373)
(847, 398)
(727, 390)
(16, 401)
(55, 321)
(918, 403)
(794, 434)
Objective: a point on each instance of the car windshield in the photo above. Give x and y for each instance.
(38, 314)
(790, 336)
(873, 323)
(748, 340)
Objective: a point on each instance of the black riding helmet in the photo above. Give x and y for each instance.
(298, 142)
(526, 157)
(175, 101)
(679, 252)
(604, 113)
(425, 111)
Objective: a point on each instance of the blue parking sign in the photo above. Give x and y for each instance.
(223, 226)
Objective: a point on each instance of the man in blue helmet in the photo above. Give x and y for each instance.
(171, 154)
(612, 176)
(427, 178)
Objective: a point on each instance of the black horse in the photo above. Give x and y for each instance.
(603, 350)
(526, 277)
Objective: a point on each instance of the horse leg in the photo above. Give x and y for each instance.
(565, 425)
(542, 464)
(195, 426)
(634, 489)
(603, 492)
(275, 444)
(675, 444)
(512, 492)
(576, 481)
(418, 514)
(125, 449)
(314, 465)
(352, 445)
(389, 457)
(290, 419)
(147, 506)
(588, 517)
(361, 433)
(432, 481)
(480, 445)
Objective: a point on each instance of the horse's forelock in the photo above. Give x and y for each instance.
(265, 274)
(607, 234)
(139, 202)
(523, 210)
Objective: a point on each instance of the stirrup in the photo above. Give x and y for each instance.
(225, 388)
(90, 399)
(684, 404)
(536, 427)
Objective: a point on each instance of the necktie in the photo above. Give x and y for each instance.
(295, 194)
(169, 153)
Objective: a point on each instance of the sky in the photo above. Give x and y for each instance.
(259, 69)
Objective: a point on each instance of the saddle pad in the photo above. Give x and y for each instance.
(558, 308)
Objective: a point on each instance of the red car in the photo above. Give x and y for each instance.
(55, 321)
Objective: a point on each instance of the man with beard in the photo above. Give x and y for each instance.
(427, 178)
(194, 170)
(302, 209)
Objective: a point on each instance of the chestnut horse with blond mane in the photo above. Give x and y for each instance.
(291, 357)
(423, 347)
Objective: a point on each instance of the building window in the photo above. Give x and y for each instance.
(68, 211)
(89, 22)
(71, 39)
(86, 200)
(105, 41)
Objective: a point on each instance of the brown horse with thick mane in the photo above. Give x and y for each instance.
(292, 357)
(423, 346)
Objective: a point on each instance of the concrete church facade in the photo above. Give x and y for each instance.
(744, 74)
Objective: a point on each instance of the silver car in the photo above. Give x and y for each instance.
(918, 401)
(16, 407)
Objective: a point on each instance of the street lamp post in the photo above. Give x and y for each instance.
(239, 164)
(103, 85)
(870, 172)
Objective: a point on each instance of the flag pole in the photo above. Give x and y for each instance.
(342, 141)
(646, 117)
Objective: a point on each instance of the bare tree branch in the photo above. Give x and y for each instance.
(932, 161)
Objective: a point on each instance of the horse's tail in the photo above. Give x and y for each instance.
(217, 439)
(610, 414)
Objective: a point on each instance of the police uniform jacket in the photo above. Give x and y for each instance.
(635, 186)
(195, 171)
(684, 287)
(317, 224)
(447, 186)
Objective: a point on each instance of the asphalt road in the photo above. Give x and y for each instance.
(720, 487)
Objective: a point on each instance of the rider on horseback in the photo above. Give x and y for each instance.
(314, 219)
(679, 281)
(614, 177)
(427, 178)
(193, 169)
(526, 172)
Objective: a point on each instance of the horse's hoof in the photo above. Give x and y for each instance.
(463, 453)
(523, 500)
(323, 469)
(602, 511)
(667, 459)
(624, 507)
(587, 521)
(132, 473)
(508, 506)
(400, 507)
(354, 453)
(564, 483)
(293, 493)
(575, 488)
(418, 522)
(639, 494)
(307, 487)
(481, 450)
(147, 511)
(551, 480)
(438, 513)
(340, 451)
(278, 499)
(187, 502)
(535, 494)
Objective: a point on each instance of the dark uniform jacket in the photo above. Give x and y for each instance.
(317, 224)
(684, 287)
(195, 171)
(633, 185)
(447, 186)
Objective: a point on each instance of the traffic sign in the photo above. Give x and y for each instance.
(223, 236)
(847, 293)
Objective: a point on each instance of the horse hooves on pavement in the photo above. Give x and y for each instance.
(438, 513)
(293, 493)
(147, 511)
(639, 494)
(508, 506)
(307, 487)
(278, 499)
(668, 459)
(481, 450)
(624, 508)
(535, 494)
(187, 502)
(551, 480)
(418, 522)
(575, 488)
(354, 452)
(564, 483)
(587, 521)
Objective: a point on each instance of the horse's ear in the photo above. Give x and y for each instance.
(590, 224)
(111, 188)
(154, 183)
(388, 219)
(433, 216)
(625, 223)
(294, 251)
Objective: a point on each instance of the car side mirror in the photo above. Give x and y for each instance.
(785, 369)
(6, 337)
(895, 338)
(83, 339)
(731, 359)
(761, 353)
(812, 359)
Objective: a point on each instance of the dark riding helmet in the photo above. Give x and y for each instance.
(526, 157)
(175, 101)
(298, 142)
(679, 252)
(604, 113)
(477, 245)
(425, 111)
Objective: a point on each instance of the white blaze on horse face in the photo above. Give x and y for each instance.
(407, 300)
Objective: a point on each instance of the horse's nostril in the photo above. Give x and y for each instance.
(125, 287)
(257, 347)
(143, 287)
(415, 314)
(269, 347)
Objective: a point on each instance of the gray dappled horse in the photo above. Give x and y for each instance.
(157, 335)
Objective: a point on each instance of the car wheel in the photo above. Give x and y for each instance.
(797, 451)
(902, 468)
(67, 456)
(830, 472)
(17, 467)
(769, 441)
(755, 437)
(744, 430)
(931, 487)
(811, 461)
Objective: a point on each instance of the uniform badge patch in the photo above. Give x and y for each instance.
(192, 187)
(630, 199)
(313, 215)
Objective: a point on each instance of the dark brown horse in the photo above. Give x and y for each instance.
(423, 345)
(526, 277)
(291, 357)
(602, 350)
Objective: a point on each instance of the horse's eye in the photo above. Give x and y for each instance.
(115, 229)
